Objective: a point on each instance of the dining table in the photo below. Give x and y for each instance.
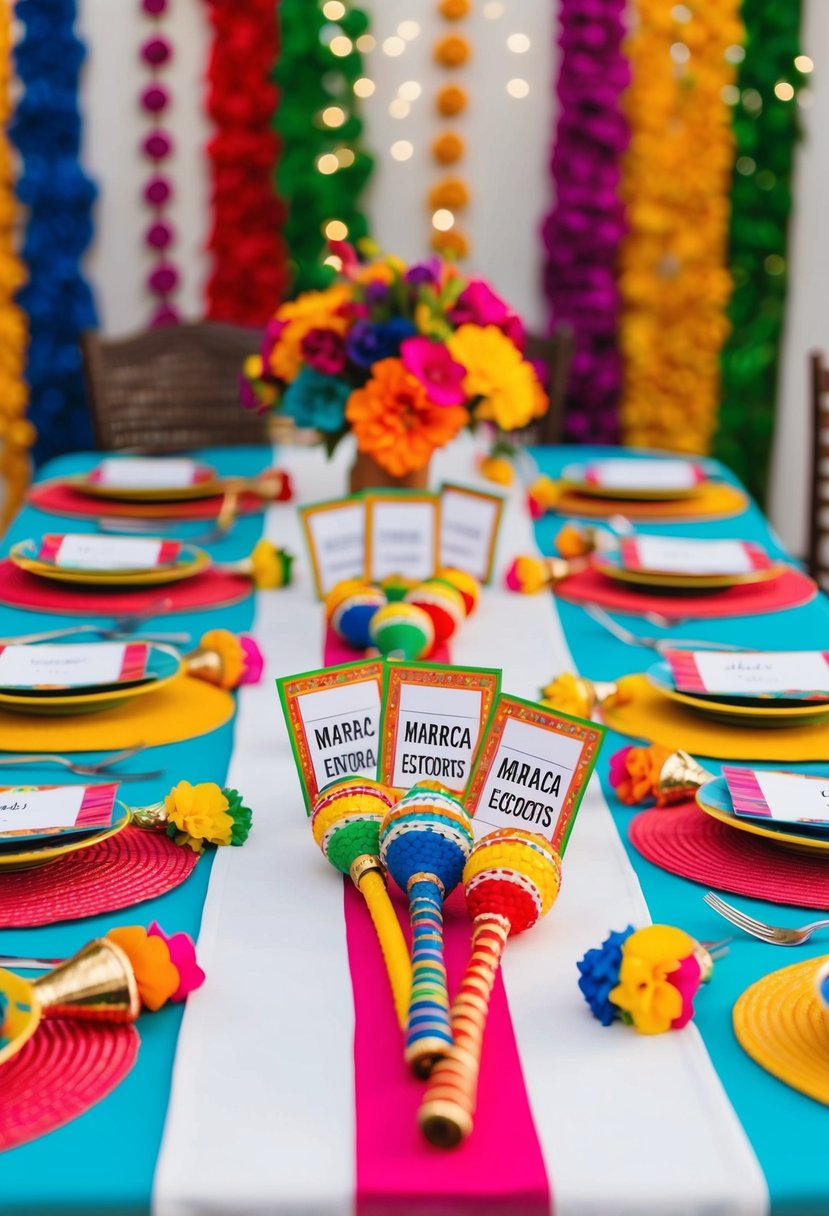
(279, 1088)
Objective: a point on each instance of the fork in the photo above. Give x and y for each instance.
(774, 935)
(99, 769)
(137, 526)
(29, 964)
(111, 635)
(660, 645)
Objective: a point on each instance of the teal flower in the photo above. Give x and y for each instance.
(317, 401)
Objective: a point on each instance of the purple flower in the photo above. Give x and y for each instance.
(424, 273)
(367, 343)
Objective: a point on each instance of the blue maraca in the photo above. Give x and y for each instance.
(424, 843)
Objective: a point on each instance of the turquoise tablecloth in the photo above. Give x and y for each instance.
(104, 1161)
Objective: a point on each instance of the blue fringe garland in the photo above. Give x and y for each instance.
(46, 131)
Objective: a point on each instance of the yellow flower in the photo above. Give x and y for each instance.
(230, 658)
(199, 813)
(253, 367)
(315, 306)
(498, 469)
(644, 991)
(269, 567)
(574, 540)
(569, 694)
(495, 371)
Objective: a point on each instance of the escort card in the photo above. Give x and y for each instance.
(784, 674)
(55, 808)
(402, 534)
(85, 551)
(469, 522)
(531, 770)
(147, 473)
(669, 555)
(778, 796)
(335, 533)
(621, 474)
(73, 664)
(333, 720)
(432, 721)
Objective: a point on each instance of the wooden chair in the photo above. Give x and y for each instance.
(171, 389)
(556, 353)
(818, 557)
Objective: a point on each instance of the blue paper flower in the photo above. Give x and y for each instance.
(4, 1004)
(367, 343)
(600, 974)
(317, 401)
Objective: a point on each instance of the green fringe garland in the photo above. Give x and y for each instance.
(766, 128)
(311, 77)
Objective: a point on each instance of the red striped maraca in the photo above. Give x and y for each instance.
(424, 843)
(511, 880)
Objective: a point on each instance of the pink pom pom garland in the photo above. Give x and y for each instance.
(156, 53)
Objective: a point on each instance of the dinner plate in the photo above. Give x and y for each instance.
(27, 858)
(609, 564)
(163, 665)
(22, 1016)
(574, 477)
(759, 712)
(714, 799)
(190, 561)
(206, 485)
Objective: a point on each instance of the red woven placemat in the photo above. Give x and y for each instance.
(791, 590)
(688, 842)
(63, 1070)
(58, 498)
(127, 869)
(213, 589)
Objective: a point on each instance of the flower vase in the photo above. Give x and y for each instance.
(367, 474)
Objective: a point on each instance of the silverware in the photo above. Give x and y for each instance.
(109, 635)
(101, 768)
(774, 935)
(135, 525)
(29, 964)
(660, 645)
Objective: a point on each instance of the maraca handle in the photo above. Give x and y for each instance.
(429, 1033)
(391, 939)
(445, 1115)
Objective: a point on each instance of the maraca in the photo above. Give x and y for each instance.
(424, 843)
(511, 880)
(442, 603)
(465, 583)
(350, 607)
(346, 823)
(402, 630)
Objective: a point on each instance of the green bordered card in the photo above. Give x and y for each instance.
(469, 523)
(335, 533)
(402, 534)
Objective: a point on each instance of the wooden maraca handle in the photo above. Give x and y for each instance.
(369, 882)
(429, 1029)
(445, 1115)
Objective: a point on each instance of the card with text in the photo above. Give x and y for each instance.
(531, 770)
(55, 809)
(85, 551)
(72, 664)
(678, 555)
(779, 797)
(623, 474)
(402, 534)
(789, 675)
(333, 720)
(149, 473)
(432, 720)
(335, 533)
(469, 522)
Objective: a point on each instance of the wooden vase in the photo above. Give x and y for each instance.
(367, 474)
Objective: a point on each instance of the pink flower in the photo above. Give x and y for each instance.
(254, 660)
(686, 979)
(431, 364)
(182, 950)
(324, 350)
(478, 305)
(618, 767)
(535, 508)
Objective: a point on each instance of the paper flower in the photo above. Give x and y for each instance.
(600, 974)
(634, 772)
(315, 400)
(543, 496)
(198, 814)
(254, 660)
(4, 1005)
(496, 373)
(529, 575)
(575, 540)
(269, 567)
(497, 469)
(570, 694)
(155, 973)
(448, 148)
(218, 659)
(431, 364)
(240, 814)
(182, 951)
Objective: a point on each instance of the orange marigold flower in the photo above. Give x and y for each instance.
(448, 148)
(453, 242)
(395, 422)
(453, 10)
(155, 975)
(450, 101)
(451, 193)
(451, 52)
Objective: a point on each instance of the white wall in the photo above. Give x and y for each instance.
(508, 143)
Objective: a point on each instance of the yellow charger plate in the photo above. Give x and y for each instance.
(192, 561)
(29, 859)
(208, 488)
(22, 1014)
(164, 665)
(660, 677)
(711, 797)
(685, 582)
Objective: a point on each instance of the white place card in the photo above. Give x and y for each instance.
(778, 796)
(335, 533)
(622, 474)
(681, 555)
(402, 535)
(55, 808)
(86, 551)
(72, 665)
(469, 521)
(531, 770)
(753, 673)
(147, 473)
(433, 716)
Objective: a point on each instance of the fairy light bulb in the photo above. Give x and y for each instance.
(334, 10)
(393, 46)
(518, 43)
(365, 42)
(341, 46)
(401, 149)
(328, 163)
(335, 230)
(333, 116)
(783, 90)
(443, 220)
(518, 87)
(408, 30)
(410, 90)
(804, 64)
(399, 108)
(363, 87)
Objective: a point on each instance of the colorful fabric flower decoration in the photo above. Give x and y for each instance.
(205, 814)
(164, 966)
(497, 469)
(223, 659)
(496, 373)
(431, 364)
(324, 351)
(367, 343)
(638, 774)
(646, 978)
(317, 401)
(268, 566)
(253, 660)
(182, 950)
(575, 540)
(543, 496)
(4, 1005)
(572, 694)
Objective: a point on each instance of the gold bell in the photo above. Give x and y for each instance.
(680, 776)
(206, 664)
(153, 817)
(96, 984)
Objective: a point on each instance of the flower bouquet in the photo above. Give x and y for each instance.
(402, 356)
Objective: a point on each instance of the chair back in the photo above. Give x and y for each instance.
(171, 389)
(818, 557)
(555, 352)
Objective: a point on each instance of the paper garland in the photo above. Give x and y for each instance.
(46, 130)
(582, 232)
(159, 237)
(450, 194)
(323, 167)
(249, 263)
(766, 126)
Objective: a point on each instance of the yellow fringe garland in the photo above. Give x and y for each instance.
(16, 433)
(674, 280)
